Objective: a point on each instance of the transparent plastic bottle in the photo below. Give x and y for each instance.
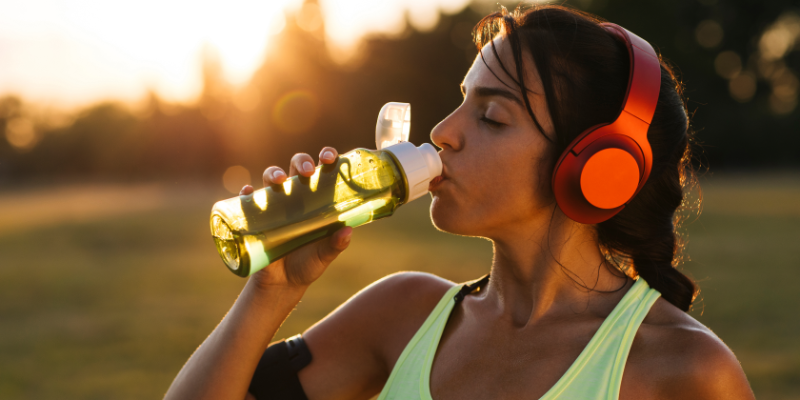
(361, 186)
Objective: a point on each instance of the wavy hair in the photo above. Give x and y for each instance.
(584, 71)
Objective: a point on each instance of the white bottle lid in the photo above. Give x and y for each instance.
(419, 164)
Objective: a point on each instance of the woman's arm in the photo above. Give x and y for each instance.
(222, 367)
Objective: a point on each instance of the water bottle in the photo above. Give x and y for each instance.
(363, 185)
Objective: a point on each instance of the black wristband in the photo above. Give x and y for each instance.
(276, 374)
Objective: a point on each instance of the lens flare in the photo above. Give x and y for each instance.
(235, 177)
(296, 111)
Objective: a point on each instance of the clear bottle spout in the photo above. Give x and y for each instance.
(394, 124)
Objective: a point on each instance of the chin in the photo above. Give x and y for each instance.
(448, 218)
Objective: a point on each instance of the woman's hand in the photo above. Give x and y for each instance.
(222, 367)
(303, 266)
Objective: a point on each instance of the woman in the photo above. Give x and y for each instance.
(561, 315)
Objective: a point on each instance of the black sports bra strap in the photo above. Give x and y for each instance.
(470, 287)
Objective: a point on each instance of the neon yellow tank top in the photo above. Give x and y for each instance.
(595, 374)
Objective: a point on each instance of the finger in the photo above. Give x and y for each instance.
(328, 155)
(302, 164)
(328, 250)
(246, 190)
(274, 176)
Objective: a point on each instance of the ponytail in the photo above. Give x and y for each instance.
(645, 232)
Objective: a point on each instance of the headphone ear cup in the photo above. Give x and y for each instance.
(594, 185)
(609, 178)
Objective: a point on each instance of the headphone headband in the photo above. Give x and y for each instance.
(644, 81)
(605, 166)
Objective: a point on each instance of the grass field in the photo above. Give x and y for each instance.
(105, 291)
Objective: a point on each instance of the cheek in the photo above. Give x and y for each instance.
(465, 204)
(489, 192)
(498, 183)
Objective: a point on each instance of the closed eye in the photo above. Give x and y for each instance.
(492, 123)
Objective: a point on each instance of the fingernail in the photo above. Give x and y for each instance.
(346, 240)
(327, 155)
(308, 166)
(278, 174)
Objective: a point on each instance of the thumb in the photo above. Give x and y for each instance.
(329, 249)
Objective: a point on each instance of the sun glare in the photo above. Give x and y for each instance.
(84, 50)
(68, 53)
(347, 21)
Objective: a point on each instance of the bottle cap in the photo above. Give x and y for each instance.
(419, 164)
(394, 124)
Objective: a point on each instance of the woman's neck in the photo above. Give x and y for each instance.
(552, 269)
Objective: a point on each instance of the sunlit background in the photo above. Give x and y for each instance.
(121, 123)
(69, 53)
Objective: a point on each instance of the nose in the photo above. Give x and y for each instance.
(447, 133)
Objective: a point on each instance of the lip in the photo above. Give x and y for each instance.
(437, 181)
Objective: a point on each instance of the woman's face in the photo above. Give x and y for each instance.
(493, 153)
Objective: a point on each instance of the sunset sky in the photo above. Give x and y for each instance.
(69, 53)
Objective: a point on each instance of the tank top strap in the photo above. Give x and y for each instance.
(407, 374)
(643, 303)
(597, 372)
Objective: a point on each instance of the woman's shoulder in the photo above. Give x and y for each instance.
(409, 289)
(403, 297)
(378, 321)
(678, 357)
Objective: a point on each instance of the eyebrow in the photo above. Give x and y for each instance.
(483, 91)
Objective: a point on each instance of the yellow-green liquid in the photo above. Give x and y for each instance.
(252, 231)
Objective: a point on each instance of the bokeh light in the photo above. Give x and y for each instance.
(743, 87)
(21, 134)
(709, 33)
(296, 111)
(783, 99)
(780, 37)
(728, 64)
(235, 177)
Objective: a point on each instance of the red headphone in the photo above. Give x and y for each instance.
(606, 165)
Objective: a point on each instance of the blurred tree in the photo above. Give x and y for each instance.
(739, 60)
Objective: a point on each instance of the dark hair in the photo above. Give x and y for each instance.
(584, 70)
